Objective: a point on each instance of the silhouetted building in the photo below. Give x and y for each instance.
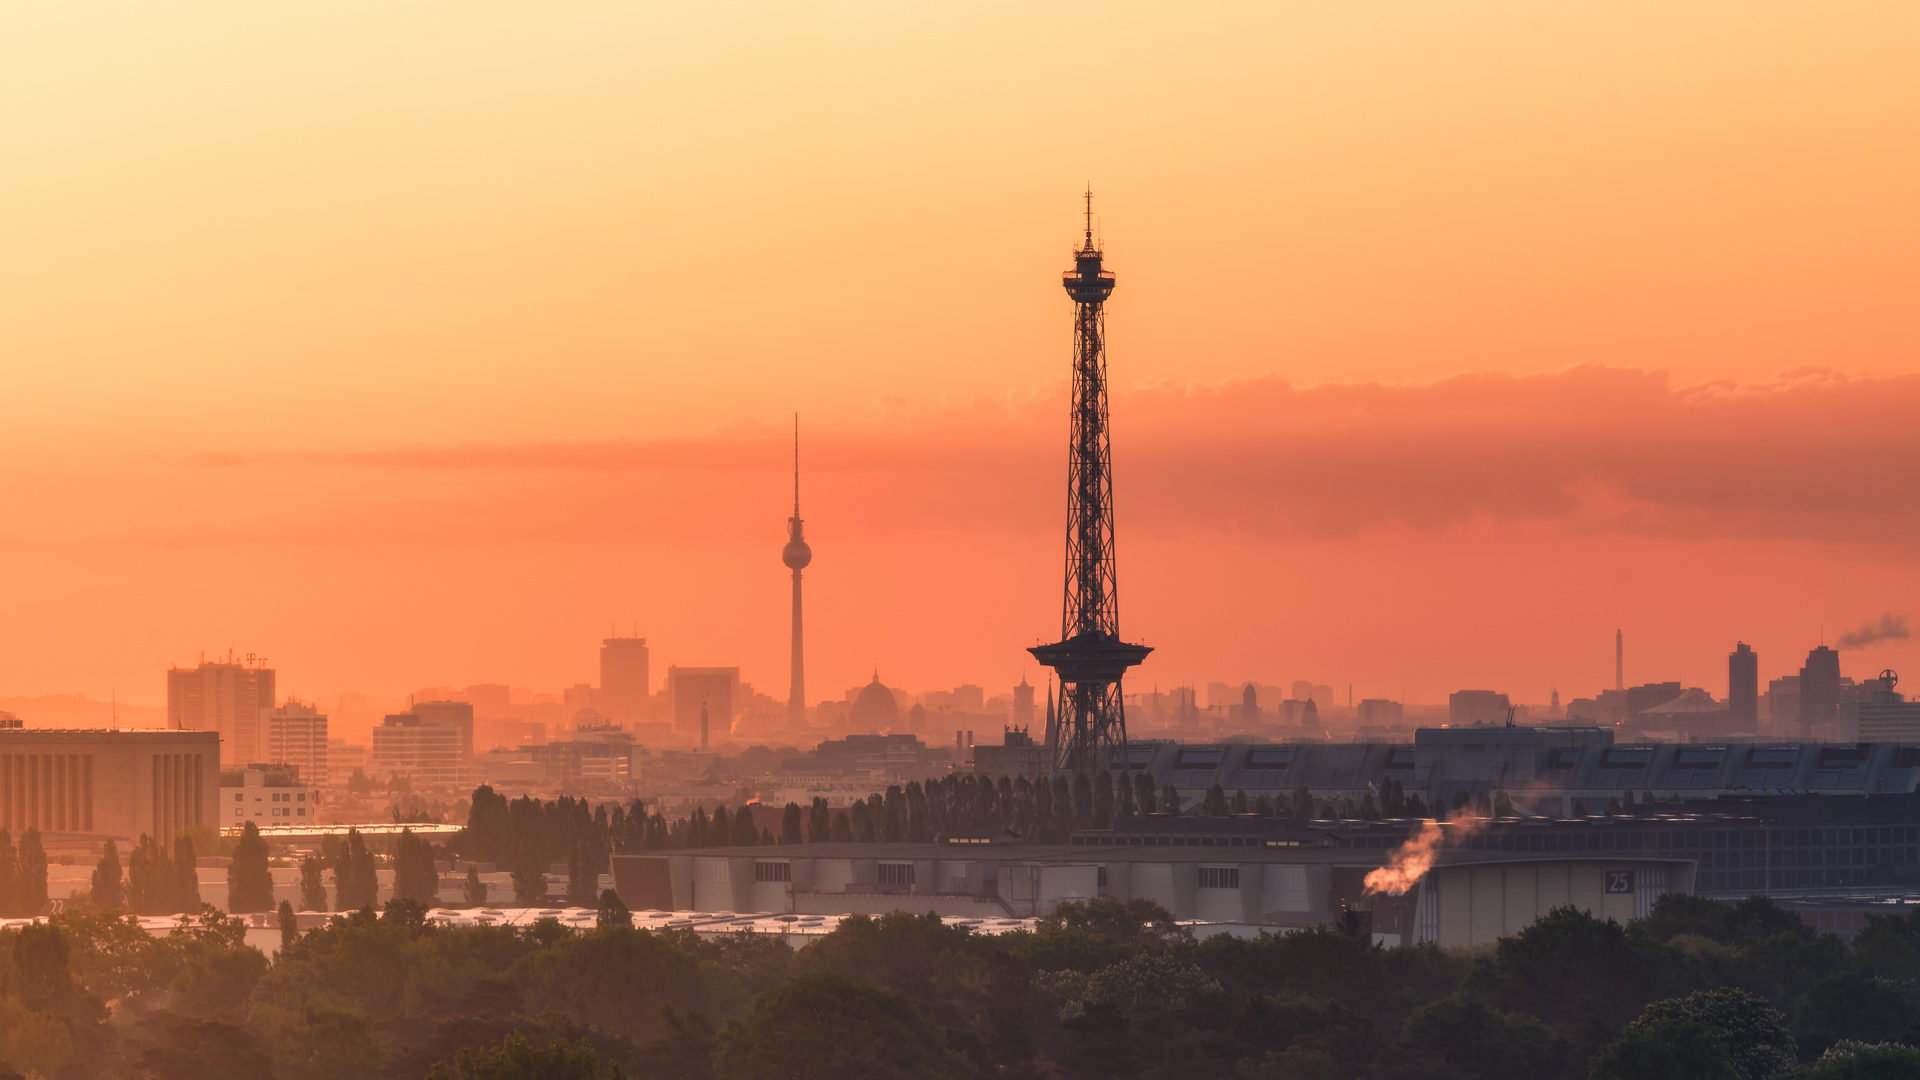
(1017, 755)
(1819, 689)
(1250, 706)
(625, 681)
(1693, 712)
(229, 698)
(1379, 712)
(1743, 688)
(691, 688)
(876, 708)
(1886, 716)
(1648, 696)
(1310, 715)
(1023, 705)
(297, 736)
(1476, 707)
(108, 783)
(1783, 705)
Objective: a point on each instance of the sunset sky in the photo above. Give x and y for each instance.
(415, 344)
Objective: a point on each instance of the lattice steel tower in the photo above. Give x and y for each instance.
(1090, 656)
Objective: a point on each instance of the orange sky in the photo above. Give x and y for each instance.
(411, 346)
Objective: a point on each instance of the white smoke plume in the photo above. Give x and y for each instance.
(1890, 628)
(1411, 860)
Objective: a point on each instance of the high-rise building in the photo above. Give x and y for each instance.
(428, 748)
(1819, 689)
(692, 688)
(1476, 707)
(1023, 705)
(1379, 712)
(230, 698)
(1743, 687)
(297, 736)
(1783, 705)
(1886, 716)
(456, 714)
(624, 680)
(796, 555)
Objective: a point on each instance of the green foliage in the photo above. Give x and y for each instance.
(1753, 1032)
(1851, 1007)
(612, 911)
(1456, 1036)
(313, 885)
(249, 881)
(105, 892)
(1862, 1061)
(416, 876)
(1665, 1050)
(516, 1059)
(356, 885)
(823, 1026)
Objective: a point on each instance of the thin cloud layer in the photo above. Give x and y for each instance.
(1810, 455)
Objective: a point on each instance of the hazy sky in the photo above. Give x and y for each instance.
(412, 344)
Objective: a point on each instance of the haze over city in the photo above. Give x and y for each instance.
(828, 541)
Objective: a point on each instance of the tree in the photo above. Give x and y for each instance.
(289, 927)
(529, 877)
(1215, 803)
(746, 833)
(1103, 799)
(33, 874)
(355, 882)
(583, 877)
(790, 824)
(1455, 1036)
(313, 886)
(1851, 1007)
(514, 1058)
(1862, 1061)
(150, 879)
(1143, 794)
(1169, 800)
(720, 828)
(819, 825)
(1754, 1033)
(1502, 804)
(186, 874)
(612, 911)
(10, 903)
(475, 890)
(249, 881)
(416, 876)
(106, 895)
(823, 1026)
(1665, 1050)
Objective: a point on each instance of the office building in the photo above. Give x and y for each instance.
(1886, 716)
(266, 796)
(625, 682)
(1743, 688)
(1380, 713)
(1648, 696)
(431, 749)
(1476, 707)
(118, 783)
(1783, 706)
(1023, 705)
(230, 698)
(690, 689)
(1819, 690)
(297, 736)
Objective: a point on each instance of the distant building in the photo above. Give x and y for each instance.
(875, 709)
(1743, 687)
(344, 757)
(1378, 712)
(232, 699)
(1249, 706)
(433, 751)
(266, 796)
(1819, 689)
(1648, 696)
(1783, 705)
(108, 783)
(1476, 707)
(297, 736)
(1886, 717)
(715, 688)
(1023, 705)
(892, 757)
(1694, 712)
(1017, 755)
(624, 680)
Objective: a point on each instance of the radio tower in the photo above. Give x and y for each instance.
(796, 555)
(1090, 657)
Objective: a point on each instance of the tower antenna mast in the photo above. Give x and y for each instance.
(1090, 657)
(796, 555)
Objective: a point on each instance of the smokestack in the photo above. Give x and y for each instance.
(1619, 661)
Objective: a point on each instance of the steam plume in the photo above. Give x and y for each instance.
(1890, 628)
(1411, 860)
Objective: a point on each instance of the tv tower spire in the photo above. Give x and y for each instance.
(1090, 656)
(796, 555)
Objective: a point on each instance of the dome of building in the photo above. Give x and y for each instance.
(875, 708)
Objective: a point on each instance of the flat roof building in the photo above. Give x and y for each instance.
(108, 783)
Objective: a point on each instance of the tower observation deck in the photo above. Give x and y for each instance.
(1090, 657)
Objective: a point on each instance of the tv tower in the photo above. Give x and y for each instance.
(796, 555)
(1090, 657)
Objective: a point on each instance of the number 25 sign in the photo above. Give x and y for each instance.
(1619, 881)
